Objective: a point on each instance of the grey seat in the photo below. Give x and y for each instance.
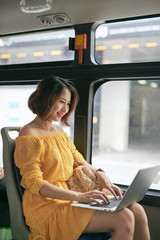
(18, 227)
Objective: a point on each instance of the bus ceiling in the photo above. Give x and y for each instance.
(30, 15)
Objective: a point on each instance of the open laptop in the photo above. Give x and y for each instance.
(134, 193)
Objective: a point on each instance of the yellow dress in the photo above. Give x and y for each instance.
(50, 159)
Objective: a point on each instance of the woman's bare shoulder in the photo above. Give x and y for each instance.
(26, 130)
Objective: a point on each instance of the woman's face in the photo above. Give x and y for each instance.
(61, 106)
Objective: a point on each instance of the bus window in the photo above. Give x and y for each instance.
(126, 129)
(36, 47)
(128, 41)
(16, 112)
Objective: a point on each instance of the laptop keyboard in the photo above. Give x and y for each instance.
(113, 203)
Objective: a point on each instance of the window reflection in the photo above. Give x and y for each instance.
(37, 47)
(128, 41)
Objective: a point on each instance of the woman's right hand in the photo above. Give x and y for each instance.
(93, 196)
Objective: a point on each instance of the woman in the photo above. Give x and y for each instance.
(45, 156)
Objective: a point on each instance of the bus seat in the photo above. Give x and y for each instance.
(15, 192)
(18, 226)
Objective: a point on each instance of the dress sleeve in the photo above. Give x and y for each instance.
(28, 152)
(76, 154)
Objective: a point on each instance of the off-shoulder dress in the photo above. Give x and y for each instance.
(42, 159)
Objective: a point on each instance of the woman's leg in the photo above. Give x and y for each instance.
(141, 222)
(120, 223)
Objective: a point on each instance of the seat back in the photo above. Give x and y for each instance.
(14, 190)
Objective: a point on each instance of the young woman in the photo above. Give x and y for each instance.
(45, 156)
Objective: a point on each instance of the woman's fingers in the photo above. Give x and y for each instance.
(93, 196)
(104, 182)
(115, 190)
(118, 191)
(101, 195)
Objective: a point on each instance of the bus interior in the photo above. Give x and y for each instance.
(110, 50)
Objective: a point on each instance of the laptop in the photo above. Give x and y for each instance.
(134, 193)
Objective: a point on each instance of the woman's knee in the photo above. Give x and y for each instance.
(139, 214)
(125, 219)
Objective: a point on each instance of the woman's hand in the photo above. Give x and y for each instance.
(1, 173)
(104, 182)
(92, 196)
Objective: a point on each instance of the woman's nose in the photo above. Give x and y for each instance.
(65, 108)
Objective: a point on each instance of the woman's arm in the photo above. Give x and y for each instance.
(52, 191)
(92, 168)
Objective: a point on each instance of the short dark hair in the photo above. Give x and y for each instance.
(47, 91)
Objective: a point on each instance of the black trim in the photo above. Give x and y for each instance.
(151, 197)
(32, 72)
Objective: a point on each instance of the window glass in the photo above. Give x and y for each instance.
(39, 47)
(128, 41)
(15, 112)
(126, 129)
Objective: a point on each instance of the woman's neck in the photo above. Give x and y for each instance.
(42, 124)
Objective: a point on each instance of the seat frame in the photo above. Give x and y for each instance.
(18, 227)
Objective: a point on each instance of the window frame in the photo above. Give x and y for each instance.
(152, 196)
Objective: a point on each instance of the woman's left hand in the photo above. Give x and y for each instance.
(104, 182)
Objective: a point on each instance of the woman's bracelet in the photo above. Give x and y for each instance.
(98, 170)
